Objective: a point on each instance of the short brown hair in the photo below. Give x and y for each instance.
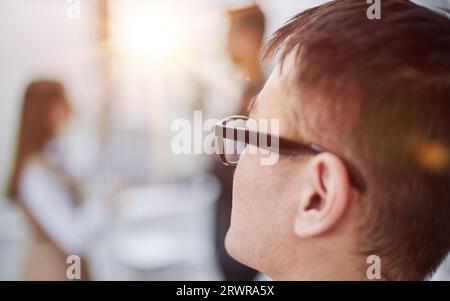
(399, 67)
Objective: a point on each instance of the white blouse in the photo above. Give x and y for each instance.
(51, 203)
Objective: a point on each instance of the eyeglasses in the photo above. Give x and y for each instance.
(233, 137)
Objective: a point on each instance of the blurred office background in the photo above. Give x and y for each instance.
(130, 68)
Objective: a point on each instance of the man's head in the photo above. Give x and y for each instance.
(376, 93)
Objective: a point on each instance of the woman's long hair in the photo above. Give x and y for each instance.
(36, 129)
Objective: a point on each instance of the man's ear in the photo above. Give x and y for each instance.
(324, 197)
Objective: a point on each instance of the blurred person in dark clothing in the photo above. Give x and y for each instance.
(244, 44)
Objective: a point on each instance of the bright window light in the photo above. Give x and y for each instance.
(148, 33)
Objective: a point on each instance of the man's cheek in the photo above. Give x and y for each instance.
(270, 159)
(246, 180)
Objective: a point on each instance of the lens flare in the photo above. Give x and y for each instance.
(151, 34)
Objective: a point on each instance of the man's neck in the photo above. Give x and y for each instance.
(322, 274)
(346, 267)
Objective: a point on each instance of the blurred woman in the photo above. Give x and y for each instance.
(44, 189)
